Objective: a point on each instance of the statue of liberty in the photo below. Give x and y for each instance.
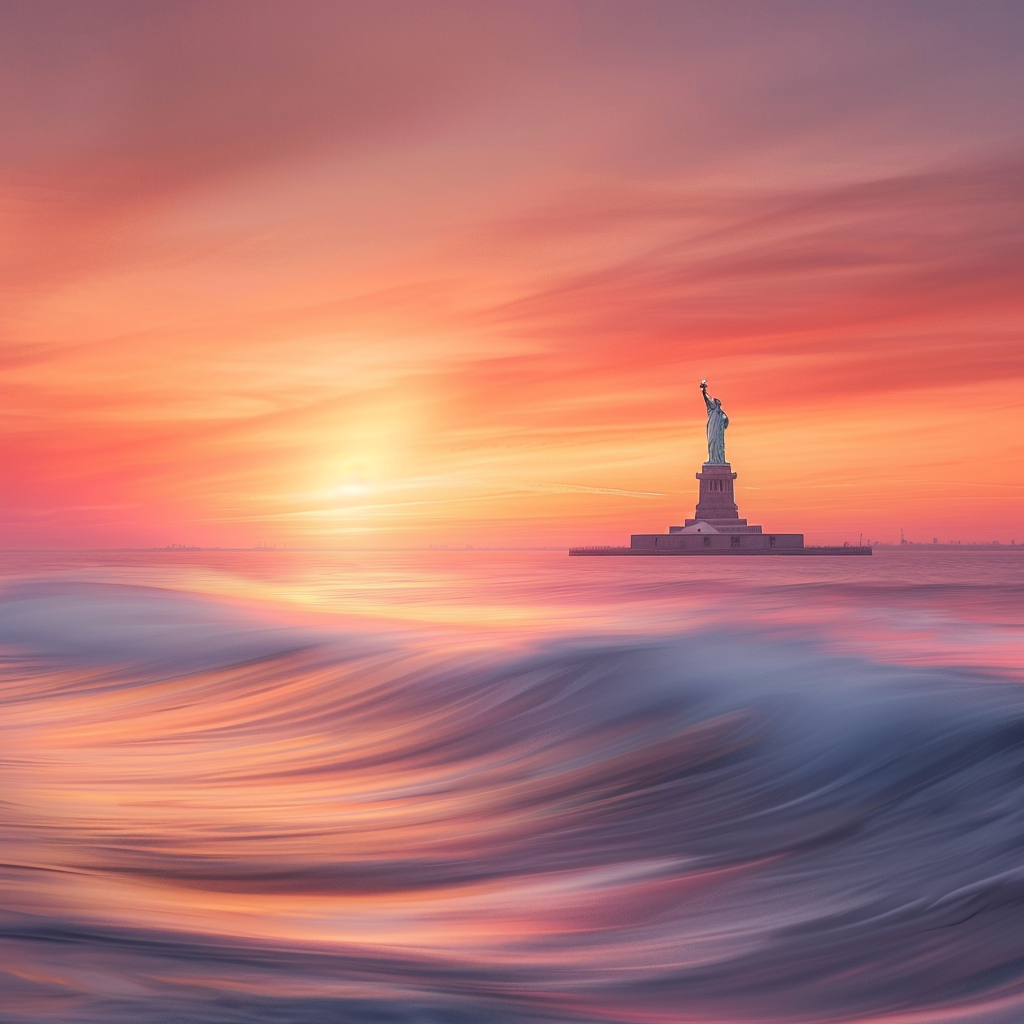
(717, 422)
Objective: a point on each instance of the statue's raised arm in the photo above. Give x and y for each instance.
(717, 422)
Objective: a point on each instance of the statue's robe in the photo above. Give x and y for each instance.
(717, 422)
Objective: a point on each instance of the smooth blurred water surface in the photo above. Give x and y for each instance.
(511, 786)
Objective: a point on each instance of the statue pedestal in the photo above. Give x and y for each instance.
(716, 502)
(716, 527)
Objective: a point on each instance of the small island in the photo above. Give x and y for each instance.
(716, 527)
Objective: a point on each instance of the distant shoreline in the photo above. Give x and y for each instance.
(993, 545)
(182, 549)
(186, 549)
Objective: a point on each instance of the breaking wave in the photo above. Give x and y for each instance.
(211, 817)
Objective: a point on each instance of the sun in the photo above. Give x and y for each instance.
(353, 490)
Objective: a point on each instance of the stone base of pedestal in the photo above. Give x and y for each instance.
(718, 525)
(738, 542)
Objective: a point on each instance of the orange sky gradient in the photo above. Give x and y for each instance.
(404, 274)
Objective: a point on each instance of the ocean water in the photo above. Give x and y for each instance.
(511, 786)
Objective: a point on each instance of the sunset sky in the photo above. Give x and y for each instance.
(374, 274)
